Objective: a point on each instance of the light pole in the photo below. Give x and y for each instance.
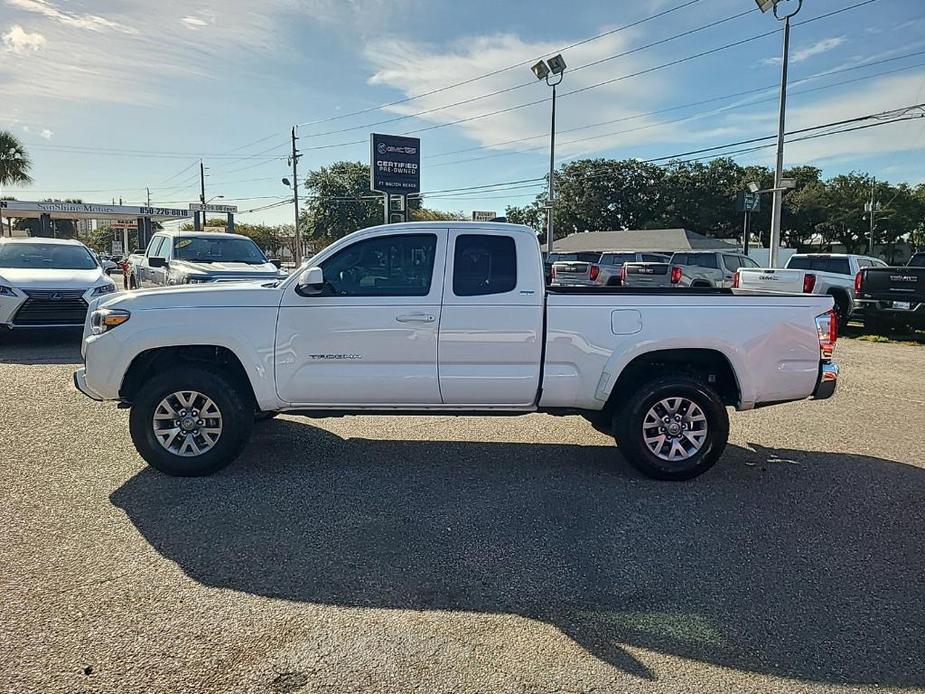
(777, 201)
(778, 190)
(553, 72)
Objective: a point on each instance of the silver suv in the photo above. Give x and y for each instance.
(688, 269)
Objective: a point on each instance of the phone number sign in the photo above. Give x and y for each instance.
(394, 164)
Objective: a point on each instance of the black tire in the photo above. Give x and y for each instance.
(628, 427)
(264, 416)
(236, 407)
(842, 311)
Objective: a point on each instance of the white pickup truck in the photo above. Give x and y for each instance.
(832, 274)
(451, 318)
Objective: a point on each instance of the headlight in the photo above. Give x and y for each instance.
(104, 319)
(103, 289)
(6, 291)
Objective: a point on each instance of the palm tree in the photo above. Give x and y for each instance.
(14, 162)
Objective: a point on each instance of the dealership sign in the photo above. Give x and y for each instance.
(483, 215)
(394, 164)
(198, 206)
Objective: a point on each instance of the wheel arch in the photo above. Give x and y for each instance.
(210, 357)
(710, 365)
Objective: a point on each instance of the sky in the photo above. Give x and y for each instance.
(113, 98)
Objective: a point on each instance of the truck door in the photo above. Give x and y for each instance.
(491, 328)
(370, 338)
(144, 273)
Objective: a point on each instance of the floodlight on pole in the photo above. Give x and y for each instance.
(553, 71)
(777, 201)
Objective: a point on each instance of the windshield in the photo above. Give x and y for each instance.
(45, 256)
(218, 249)
(918, 260)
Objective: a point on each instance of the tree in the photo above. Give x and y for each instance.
(339, 202)
(14, 162)
(424, 214)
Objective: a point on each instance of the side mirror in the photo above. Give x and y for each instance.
(277, 262)
(154, 261)
(311, 281)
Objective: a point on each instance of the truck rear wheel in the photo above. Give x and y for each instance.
(674, 428)
(189, 422)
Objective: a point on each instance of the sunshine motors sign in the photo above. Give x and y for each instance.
(394, 164)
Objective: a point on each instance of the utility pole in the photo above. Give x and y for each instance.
(294, 158)
(202, 190)
(148, 191)
(871, 208)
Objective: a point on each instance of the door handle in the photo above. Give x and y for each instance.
(416, 318)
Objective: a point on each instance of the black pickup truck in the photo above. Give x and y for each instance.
(892, 298)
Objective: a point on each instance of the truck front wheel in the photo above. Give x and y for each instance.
(189, 422)
(674, 428)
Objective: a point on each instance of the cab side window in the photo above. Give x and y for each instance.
(484, 264)
(399, 265)
(731, 262)
(154, 248)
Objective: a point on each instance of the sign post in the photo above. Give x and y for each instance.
(394, 171)
(747, 202)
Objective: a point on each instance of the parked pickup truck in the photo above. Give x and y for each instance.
(892, 298)
(189, 257)
(450, 319)
(812, 273)
(604, 271)
(698, 269)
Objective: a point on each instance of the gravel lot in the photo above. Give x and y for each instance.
(464, 555)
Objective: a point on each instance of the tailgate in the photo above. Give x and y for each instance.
(647, 274)
(772, 280)
(889, 283)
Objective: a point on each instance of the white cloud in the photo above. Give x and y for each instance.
(803, 54)
(192, 22)
(91, 22)
(420, 68)
(46, 134)
(26, 129)
(18, 40)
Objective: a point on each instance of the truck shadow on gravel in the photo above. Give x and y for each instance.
(809, 566)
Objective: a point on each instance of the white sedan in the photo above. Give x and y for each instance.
(48, 283)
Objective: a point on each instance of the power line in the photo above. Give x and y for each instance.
(500, 70)
(521, 85)
(690, 117)
(580, 90)
(714, 99)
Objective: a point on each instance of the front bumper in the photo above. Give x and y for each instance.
(828, 379)
(80, 382)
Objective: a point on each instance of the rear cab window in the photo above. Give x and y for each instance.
(484, 264)
(821, 263)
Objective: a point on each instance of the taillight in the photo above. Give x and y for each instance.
(827, 329)
(675, 274)
(623, 274)
(735, 280)
(858, 278)
(594, 272)
(809, 283)
(552, 273)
